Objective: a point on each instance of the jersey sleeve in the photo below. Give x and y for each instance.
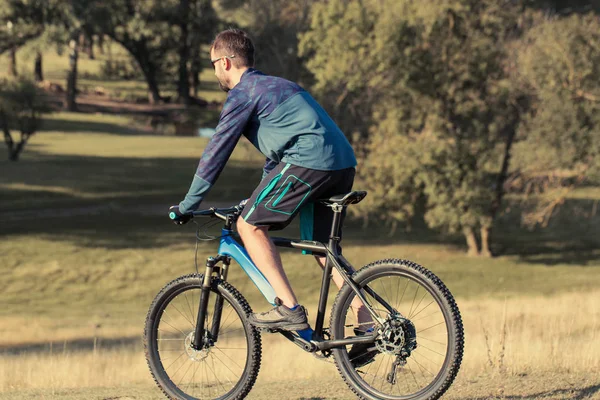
(269, 165)
(236, 113)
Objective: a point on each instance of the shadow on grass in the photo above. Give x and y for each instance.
(120, 202)
(571, 237)
(69, 126)
(70, 346)
(112, 202)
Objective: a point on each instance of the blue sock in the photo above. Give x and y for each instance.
(296, 306)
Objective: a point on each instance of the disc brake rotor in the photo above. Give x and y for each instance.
(193, 354)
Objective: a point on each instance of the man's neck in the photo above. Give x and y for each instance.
(237, 76)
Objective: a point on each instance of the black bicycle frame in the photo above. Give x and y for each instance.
(333, 259)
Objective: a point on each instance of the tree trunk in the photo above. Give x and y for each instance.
(12, 65)
(503, 174)
(89, 47)
(485, 241)
(183, 85)
(510, 134)
(471, 241)
(13, 151)
(195, 72)
(7, 137)
(195, 59)
(150, 75)
(139, 51)
(72, 77)
(16, 152)
(101, 43)
(195, 67)
(38, 70)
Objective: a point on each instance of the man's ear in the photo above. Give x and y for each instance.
(228, 63)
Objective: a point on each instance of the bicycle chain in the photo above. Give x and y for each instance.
(325, 355)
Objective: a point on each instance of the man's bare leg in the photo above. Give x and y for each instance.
(363, 317)
(265, 256)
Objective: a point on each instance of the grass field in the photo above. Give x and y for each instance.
(55, 67)
(86, 245)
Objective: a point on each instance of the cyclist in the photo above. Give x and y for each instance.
(307, 158)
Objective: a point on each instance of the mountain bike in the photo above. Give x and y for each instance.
(199, 344)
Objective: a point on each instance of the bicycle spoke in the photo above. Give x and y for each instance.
(434, 341)
(433, 326)
(410, 316)
(433, 351)
(414, 298)
(226, 366)
(190, 308)
(186, 371)
(228, 357)
(213, 371)
(420, 310)
(426, 316)
(174, 327)
(184, 316)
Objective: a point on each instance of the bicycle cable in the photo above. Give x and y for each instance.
(206, 237)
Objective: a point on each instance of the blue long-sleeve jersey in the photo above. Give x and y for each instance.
(282, 121)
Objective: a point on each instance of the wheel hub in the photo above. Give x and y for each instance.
(398, 337)
(193, 354)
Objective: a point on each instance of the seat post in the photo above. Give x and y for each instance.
(334, 236)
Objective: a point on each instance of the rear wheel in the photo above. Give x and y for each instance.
(418, 350)
(225, 368)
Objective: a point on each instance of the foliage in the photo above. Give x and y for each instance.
(22, 20)
(21, 107)
(339, 53)
(559, 61)
(153, 32)
(274, 26)
(432, 91)
(119, 69)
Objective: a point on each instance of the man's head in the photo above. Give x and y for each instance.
(231, 53)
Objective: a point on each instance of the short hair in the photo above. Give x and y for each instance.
(235, 42)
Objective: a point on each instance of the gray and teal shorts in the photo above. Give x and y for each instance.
(288, 190)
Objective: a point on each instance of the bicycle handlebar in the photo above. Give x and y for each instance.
(221, 213)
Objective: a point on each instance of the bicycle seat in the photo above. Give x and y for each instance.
(346, 198)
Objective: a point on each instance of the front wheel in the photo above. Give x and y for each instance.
(418, 350)
(226, 367)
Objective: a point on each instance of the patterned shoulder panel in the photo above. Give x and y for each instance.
(267, 92)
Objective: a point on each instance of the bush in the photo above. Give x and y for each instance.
(120, 69)
(22, 104)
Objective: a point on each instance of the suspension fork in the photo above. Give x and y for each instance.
(199, 332)
(216, 322)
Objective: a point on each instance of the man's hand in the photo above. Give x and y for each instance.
(177, 217)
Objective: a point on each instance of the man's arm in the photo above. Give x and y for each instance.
(235, 115)
(269, 165)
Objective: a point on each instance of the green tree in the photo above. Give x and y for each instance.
(21, 107)
(275, 26)
(20, 21)
(158, 34)
(339, 48)
(559, 62)
(432, 89)
(197, 23)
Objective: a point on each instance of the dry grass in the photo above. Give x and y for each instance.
(69, 280)
(539, 335)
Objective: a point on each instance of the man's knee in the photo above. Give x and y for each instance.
(245, 228)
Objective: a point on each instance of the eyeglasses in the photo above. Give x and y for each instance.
(220, 58)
